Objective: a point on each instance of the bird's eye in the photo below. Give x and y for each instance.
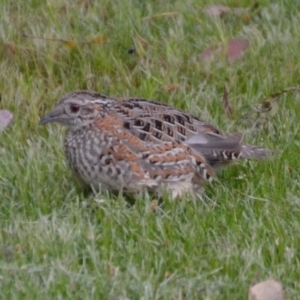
(74, 108)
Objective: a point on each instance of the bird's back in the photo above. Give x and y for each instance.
(155, 122)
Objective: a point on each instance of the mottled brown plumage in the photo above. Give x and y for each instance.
(135, 144)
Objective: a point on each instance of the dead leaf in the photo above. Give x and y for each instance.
(226, 104)
(291, 89)
(222, 10)
(210, 53)
(246, 17)
(236, 49)
(154, 205)
(168, 274)
(5, 118)
(9, 51)
(268, 107)
(19, 248)
(98, 39)
(87, 4)
(70, 44)
(172, 88)
(269, 289)
(113, 271)
(217, 10)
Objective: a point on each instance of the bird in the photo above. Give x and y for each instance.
(132, 145)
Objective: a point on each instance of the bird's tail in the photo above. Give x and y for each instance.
(221, 150)
(254, 152)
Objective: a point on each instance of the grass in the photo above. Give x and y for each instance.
(57, 243)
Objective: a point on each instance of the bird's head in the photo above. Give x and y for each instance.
(78, 109)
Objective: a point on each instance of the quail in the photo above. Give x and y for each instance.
(134, 144)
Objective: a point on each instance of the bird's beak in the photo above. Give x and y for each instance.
(53, 116)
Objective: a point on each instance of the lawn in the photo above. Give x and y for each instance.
(57, 242)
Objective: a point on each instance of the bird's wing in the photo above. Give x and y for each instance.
(164, 162)
(156, 122)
